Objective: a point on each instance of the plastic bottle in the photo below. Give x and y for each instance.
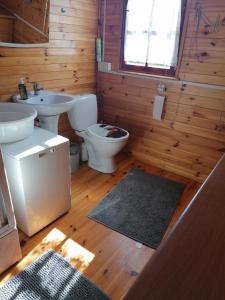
(22, 90)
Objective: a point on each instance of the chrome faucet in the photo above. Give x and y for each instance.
(37, 88)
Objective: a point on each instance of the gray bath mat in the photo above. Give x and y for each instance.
(50, 277)
(140, 206)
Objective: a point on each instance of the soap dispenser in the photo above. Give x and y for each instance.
(22, 90)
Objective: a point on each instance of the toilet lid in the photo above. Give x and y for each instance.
(108, 132)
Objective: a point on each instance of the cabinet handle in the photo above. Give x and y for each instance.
(50, 151)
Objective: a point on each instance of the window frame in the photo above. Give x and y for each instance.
(146, 69)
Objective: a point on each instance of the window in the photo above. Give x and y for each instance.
(151, 35)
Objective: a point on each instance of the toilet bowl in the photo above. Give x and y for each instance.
(102, 149)
(102, 141)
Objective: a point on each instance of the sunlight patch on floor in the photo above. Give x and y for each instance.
(50, 241)
(54, 238)
(77, 255)
(74, 253)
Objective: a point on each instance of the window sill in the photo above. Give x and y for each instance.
(141, 75)
(153, 76)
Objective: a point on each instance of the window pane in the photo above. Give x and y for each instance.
(164, 33)
(152, 33)
(136, 49)
(136, 32)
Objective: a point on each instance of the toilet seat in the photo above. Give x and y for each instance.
(101, 131)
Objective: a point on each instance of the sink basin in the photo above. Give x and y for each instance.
(49, 106)
(16, 122)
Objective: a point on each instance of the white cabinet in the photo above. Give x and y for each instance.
(38, 172)
(9, 240)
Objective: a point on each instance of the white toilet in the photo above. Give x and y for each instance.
(102, 141)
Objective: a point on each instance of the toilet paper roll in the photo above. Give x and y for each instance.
(158, 107)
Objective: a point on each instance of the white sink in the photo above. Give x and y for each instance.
(16, 122)
(49, 106)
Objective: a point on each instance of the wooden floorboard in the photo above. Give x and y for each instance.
(109, 259)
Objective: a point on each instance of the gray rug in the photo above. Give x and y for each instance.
(50, 277)
(140, 206)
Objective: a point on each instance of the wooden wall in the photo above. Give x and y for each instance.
(24, 34)
(67, 65)
(6, 26)
(31, 25)
(191, 138)
(34, 12)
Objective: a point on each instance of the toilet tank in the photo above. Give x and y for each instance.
(84, 112)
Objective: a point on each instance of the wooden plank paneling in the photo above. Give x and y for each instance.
(191, 137)
(6, 26)
(68, 64)
(6, 29)
(33, 12)
(24, 34)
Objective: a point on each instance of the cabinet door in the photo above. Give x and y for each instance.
(43, 192)
(3, 216)
(7, 220)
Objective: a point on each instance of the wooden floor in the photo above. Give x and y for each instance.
(110, 260)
